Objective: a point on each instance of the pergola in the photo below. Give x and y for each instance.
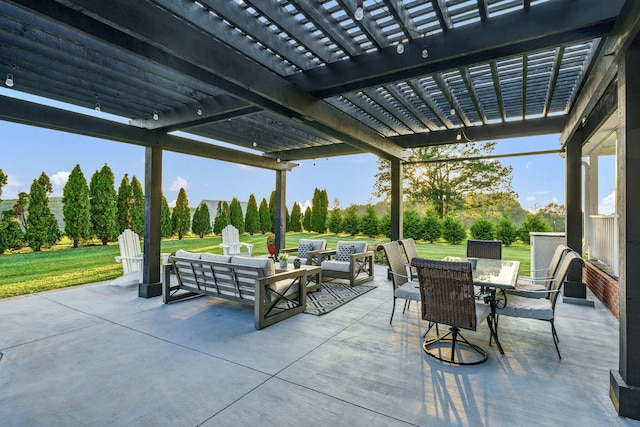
(287, 80)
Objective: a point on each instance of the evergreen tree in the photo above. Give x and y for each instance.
(220, 221)
(181, 215)
(351, 221)
(369, 222)
(506, 230)
(296, 218)
(306, 219)
(3, 182)
(316, 212)
(533, 222)
(42, 228)
(384, 226)
(75, 207)
(265, 216)
(104, 211)
(235, 216)
(201, 223)
(411, 224)
(252, 217)
(335, 220)
(166, 226)
(137, 207)
(482, 229)
(324, 211)
(124, 204)
(10, 232)
(453, 231)
(431, 227)
(45, 182)
(272, 210)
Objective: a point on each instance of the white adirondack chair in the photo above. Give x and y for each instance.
(231, 244)
(130, 257)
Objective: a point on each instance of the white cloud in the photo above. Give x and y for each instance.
(555, 200)
(532, 199)
(172, 204)
(529, 165)
(13, 187)
(59, 180)
(608, 205)
(178, 183)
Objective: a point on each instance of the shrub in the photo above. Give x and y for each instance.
(384, 225)
(532, 223)
(506, 231)
(482, 229)
(369, 222)
(453, 231)
(411, 227)
(431, 227)
(351, 221)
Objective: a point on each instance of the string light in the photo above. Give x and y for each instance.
(359, 13)
(453, 111)
(97, 107)
(400, 47)
(462, 134)
(255, 144)
(199, 112)
(9, 80)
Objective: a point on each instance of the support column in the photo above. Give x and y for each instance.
(624, 385)
(151, 286)
(575, 290)
(280, 227)
(396, 199)
(593, 180)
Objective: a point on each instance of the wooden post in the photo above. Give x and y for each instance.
(396, 199)
(151, 286)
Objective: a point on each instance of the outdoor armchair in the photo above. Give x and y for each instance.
(231, 244)
(534, 287)
(307, 251)
(350, 260)
(411, 252)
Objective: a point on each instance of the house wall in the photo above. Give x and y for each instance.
(603, 286)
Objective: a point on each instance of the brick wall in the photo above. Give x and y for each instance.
(603, 286)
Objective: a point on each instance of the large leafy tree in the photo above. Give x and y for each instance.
(166, 226)
(42, 228)
(295, 222)
(555, 215)
(124, 204)
(201, 223)
(137, 206)
(444, 185)
(75, 207)
(235, 215)
(265, 216)
(252, 217)
(104, 210)
(181, 215)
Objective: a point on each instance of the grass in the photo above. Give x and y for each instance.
(62, 266)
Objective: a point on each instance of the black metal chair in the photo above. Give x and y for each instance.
(447, 297)
(491, 249)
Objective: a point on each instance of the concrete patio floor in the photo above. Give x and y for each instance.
(99, 355)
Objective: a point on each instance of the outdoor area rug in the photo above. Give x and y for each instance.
(333, 295)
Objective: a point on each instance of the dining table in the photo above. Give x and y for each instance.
(493, 277)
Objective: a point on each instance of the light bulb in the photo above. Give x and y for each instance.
(425, 53)
(400, 48)
(458, 136)
(278, 160)
(98, 109)
(453, 111)
(359, 13)
(255, 144)
(9, 81)
(155, 115)
(199, 112)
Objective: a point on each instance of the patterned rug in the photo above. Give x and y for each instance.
(333, 295)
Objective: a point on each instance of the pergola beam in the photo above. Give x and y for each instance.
(29, 113)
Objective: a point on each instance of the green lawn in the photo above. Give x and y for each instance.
(62, 266)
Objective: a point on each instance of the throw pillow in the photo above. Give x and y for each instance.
(343, 253)
(303, 249)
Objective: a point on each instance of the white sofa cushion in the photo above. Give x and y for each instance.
(333, 265)
(215, 257)
(267, 264)
(186, 254)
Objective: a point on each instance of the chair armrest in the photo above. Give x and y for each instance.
(133, 258)
(249, 245)
(288, 250)
(531, 280)
(222, 245)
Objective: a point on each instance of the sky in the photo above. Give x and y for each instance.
(27, 151)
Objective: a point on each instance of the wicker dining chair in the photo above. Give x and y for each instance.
(447, 297)
(403, 287)
(491, 249)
